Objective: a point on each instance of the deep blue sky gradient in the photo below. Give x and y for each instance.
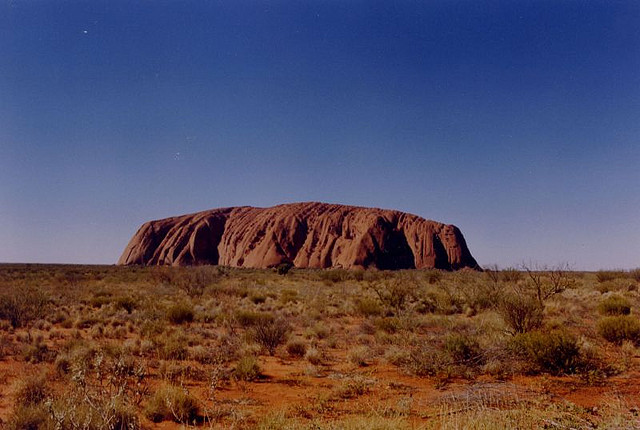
(517, 121)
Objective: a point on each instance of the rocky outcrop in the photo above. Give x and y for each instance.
(315, 235)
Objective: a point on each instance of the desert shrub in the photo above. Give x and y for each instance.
(284, 268)
(100, 299)
(250, 319)
(287, 296)
(87, 322)
(545, 282)
(315, 356)
(481, 295)
(463, 349)
(319, 331)
(396, 356)
(38, 352)
(31, 417)
(609, 275)
(257, 298)
(332, 276)
(492, 273)
(394, 294)
(203, 354)
(180, 313)
(635, 274)
(21, 306)
(427, 360)
(5, 344)
(433, 276)
(557, 352)
(271, 333)
(126, 303)
(617, 329)
(297, 348)
(442, 301)
(359, 355)
(174, 348)
(74, 411)
(426, 304)
(387, 324)
(607, 286)
(103, 386)
(353, 387)
(192, 280)
(124, 418)
(511, 275)
(172, 403)
(614, 305)
(247, 369)
(32, 390)
(367, 306)
(521, 312)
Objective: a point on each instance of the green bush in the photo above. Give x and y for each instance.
(427, 360)
(315, 356)
(270, 333)
(180, 313)
(394, 294)
(32, 390)
(387, 324)
(38, 352)
(359, 355)
(100, 299)
(463, 349)
(284, 268)
(297, 348)
(126, 303)
(521, 312)
(172, 403)
(609, 275)
(557, 352)
(511, 275)
(247, 369)
(442, 301)
(367, 306)
(288, 296)
(22, 306)
(174, 348)
(433, 276)
(614, 305)
(481, 295)
(124, 418)
(250, 318)
(257, 298)
(617, 329)
(607, 286)
(32, 417)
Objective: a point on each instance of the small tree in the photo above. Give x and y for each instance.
(548, 281)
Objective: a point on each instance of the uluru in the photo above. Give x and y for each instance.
(306, 235)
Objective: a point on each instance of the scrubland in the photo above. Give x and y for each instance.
(108, 347)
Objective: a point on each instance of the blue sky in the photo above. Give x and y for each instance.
(517, 121)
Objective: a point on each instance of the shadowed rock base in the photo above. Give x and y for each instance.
(314, 235)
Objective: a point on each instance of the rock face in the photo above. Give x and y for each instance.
(315, 235)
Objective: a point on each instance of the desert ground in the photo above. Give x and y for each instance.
(112, 347)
